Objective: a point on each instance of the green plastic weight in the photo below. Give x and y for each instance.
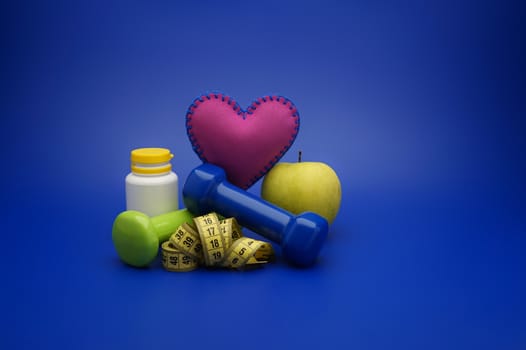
(137, 237)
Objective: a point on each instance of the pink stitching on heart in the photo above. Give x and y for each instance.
(264, 130)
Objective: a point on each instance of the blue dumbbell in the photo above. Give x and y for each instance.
(301, 237)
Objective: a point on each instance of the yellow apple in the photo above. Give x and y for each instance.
(303, 186)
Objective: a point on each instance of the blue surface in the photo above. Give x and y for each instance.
(418, 106)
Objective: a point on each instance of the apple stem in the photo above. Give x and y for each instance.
(299, 156)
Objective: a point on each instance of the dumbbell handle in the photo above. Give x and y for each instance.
(166, 224)
(251, 211)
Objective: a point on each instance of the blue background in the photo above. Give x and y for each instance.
(418, 106)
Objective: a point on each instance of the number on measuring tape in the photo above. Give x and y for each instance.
(188, 241)
(215, 246)
(175, 260)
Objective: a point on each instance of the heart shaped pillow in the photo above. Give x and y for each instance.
(246, 144)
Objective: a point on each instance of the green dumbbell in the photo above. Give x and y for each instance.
(137, 237)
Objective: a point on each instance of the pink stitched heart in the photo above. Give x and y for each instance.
(246, 144)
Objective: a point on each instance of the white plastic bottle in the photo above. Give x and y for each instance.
(152, 186)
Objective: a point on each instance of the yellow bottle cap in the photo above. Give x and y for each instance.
(151, 155)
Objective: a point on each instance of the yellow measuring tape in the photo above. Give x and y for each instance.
(213, 242)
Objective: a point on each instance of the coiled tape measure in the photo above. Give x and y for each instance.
(213, 242)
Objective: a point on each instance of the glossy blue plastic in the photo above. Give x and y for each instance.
(301, 237)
